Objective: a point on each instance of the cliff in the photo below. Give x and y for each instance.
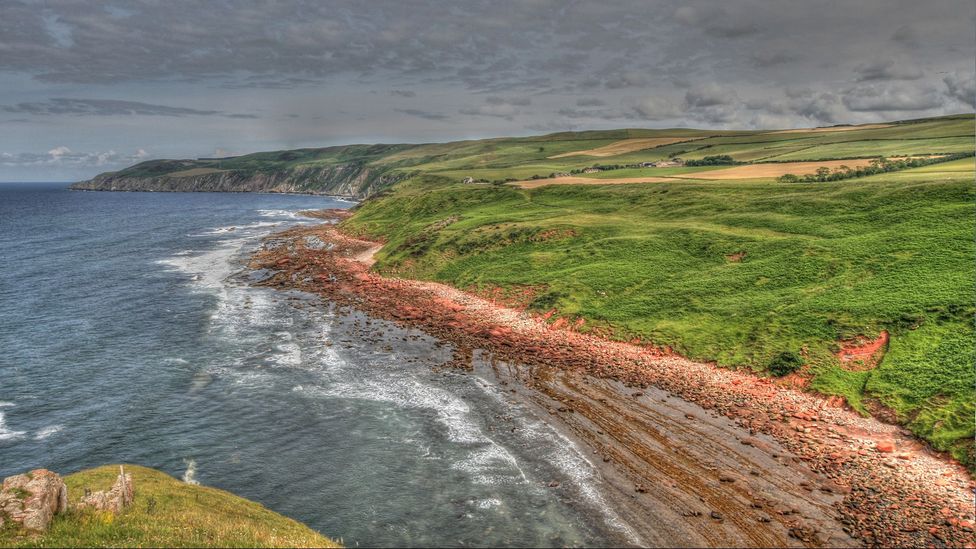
(350, 171)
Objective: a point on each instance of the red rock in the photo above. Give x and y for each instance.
(885, 447)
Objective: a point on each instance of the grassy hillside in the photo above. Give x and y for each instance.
(362, 170)
(168, 513)
(734, 271)
(719, 266)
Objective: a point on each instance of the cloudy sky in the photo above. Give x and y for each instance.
(87, 87)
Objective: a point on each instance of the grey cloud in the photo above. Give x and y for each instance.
(595, 114)
(590, 102)
(109, 107)
(961, 87)
(887, 69)
(709, 95)
(892, 98)
(656, 108)
(499, 107)
(514, 101)
(627, 80)
(501, 66)
(62, 156)
(715, 20)
(771, 59)
(423, 114)
(507, 112)
(818, 106)
(906, 35)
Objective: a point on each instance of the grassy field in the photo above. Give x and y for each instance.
(168, 513)
(732, 271)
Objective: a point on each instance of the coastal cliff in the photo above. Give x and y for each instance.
(337, 171)
(346, 180)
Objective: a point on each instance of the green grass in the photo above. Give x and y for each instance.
(362, 166)
(823, 262)
(167, 513)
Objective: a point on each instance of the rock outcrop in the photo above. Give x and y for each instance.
(115, 499)
(32, 499)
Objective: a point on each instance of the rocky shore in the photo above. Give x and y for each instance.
(698, 454)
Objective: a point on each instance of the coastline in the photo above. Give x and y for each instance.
(343, 198)
(888, 488)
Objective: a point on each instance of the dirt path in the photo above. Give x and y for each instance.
(891, 489)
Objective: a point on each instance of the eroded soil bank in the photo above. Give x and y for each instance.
(698, 455)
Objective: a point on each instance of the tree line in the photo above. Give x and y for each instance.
(877, 165)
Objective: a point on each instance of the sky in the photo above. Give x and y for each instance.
(88, 87)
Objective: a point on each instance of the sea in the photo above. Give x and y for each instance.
(131, 332)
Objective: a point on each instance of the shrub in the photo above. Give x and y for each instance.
(784, 363)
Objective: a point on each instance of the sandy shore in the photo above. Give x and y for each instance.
(697, 455)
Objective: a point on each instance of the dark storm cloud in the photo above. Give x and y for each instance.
(330, 72)
(108, 107)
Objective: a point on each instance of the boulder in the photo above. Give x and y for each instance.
(32, 499)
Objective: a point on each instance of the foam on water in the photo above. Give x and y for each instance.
(48, 431)
(265, 333)
(209, 268)
(287, 214)
(5, 432)
(190, 475)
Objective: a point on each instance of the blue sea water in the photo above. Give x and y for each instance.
(129, 333)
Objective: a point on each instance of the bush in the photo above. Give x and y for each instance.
(784, 363)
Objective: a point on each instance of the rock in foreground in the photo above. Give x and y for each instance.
(32, 499)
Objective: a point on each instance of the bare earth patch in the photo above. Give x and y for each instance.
(627, 145)
(862, 353)
(755, 171)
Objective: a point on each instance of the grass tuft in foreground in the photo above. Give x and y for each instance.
(167, 513)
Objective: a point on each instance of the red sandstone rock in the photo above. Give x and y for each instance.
(885, 447)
